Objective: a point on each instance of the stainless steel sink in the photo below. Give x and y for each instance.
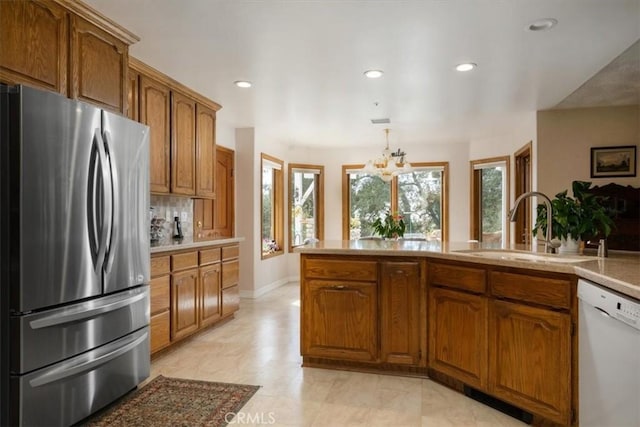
(525, 256)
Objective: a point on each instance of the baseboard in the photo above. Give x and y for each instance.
(257, 293)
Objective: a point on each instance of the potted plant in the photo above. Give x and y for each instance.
(389, 227)
(575, 218)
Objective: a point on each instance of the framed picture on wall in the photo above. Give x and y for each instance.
(613, 161)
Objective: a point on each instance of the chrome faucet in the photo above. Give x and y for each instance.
(548, 244)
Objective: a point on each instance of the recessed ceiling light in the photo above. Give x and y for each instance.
(542, 24)
(242, 83)
(466, 66)
(374, 74)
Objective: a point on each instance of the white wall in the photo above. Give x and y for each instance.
(225, 135)
(505, 142)
(565, 138)
(257, 276)
(246, 171)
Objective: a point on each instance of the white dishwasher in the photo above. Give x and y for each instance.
(609, 357)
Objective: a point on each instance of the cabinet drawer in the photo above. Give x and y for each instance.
(230, 300)
(184, 261)
(230, 272)
(458, 277)
(160, 265)
(339, 269)
(160, 331)
(540, 290)
(229, 252)
(160, 292)
(209, 256)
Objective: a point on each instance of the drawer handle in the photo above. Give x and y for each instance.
(339, 287)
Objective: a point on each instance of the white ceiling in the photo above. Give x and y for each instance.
(306, 59)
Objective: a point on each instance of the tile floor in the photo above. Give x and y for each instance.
(261, 346)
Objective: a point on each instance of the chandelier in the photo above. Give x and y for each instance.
(390, 164)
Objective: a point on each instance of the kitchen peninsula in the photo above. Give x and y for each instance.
(500, 321)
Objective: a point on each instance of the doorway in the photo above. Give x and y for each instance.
(490, 200)
(523, 185)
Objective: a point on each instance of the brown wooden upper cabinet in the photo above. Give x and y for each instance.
(70, 49)
(98, 66)
(182, 122)
(155, 104)
(34, 37)
(205, 151)
(183, 144)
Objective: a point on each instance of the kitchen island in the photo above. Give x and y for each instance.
(503, 322)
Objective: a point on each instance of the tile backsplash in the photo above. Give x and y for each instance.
(167, 207)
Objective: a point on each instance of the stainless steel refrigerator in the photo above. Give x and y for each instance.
(74, 252)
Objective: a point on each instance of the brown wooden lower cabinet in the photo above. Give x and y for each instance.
(184, 303)
(210, 282)
(458, 335)
(400, 329)
(507, 333)
(340, 320)
(230, 300)
(160, 331)
(504, 331)
(189, 291)
(530, 358)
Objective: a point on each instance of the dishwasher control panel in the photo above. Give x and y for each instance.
(628, 311)
(623, 308)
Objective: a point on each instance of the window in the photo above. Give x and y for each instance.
(420, 196)
(306, 203)
(272, 206)
(490, 200)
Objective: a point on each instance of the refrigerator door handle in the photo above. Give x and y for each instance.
(88, 362)
(113, 217)
(103, 209)
(111, 304)
(94, 206)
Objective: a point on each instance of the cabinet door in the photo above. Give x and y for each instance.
(530, 359)
(458, 335)
(230, 273)
(183, 145)
(155, 102)
(160, 331)
(224, 212)
(34, 38)
(210, 276)
(98, 66)
(339, 320)
(184, 303)
(400, 313)
(133, 93)
(230, 300)
(206, 153)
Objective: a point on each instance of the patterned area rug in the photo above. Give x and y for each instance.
(176, 402)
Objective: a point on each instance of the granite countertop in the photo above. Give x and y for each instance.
(620, 271)
(188, 243)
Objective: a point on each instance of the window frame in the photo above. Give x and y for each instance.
(444, 197)
(475, 215)
(277, 205)
(319, 220)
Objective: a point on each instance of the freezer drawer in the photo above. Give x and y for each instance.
(53, 335)
(69, 391)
